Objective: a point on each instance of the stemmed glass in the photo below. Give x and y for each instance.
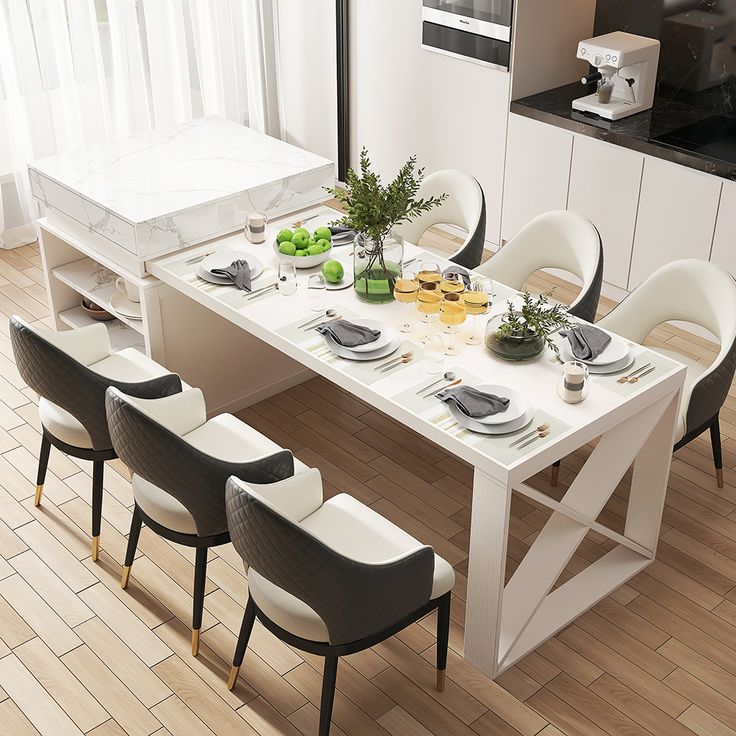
(429, 273)
(452, 314)
(452, 283)
(405, 291)
(429, 297)
(477, 301)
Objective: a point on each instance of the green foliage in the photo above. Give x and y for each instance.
(374, 209)
(536, 317)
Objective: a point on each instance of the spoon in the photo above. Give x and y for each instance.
(449, 376)
(332, 319)
(328, 313)
(432, 393)
(404, 356)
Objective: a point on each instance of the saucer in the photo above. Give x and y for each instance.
(126, 307)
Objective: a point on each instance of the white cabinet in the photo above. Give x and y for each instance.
(537, 172)
(724, 242)
(604, 187)
(677, 217)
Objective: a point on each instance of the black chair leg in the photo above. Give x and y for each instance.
(43, 463)
(246, 627)
(98, 475)
(715, 440)
(555, 474)
(135, 533)
(329, 678)
(200, 577)
(443, 638)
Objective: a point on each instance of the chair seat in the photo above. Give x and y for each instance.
(356, 531)
(224, 437)
(694, 371)
(129, 365)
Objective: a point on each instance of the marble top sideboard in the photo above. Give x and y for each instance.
(171, 188)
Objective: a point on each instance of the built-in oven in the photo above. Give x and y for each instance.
(475, 30)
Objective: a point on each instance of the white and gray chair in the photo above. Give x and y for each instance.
(465, 207)
(559, 239)
(180, 463)
(704, 294)
(331, 577)
(70, 371)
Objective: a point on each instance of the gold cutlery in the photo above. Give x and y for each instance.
(196, 259)
(449, 376)
(403, 361)
(541, 435)
(541, 428)
(299, 223)
(408, 354)
(641, 375)
(442, 388)
(328, 313)
(628, 377)
(319, 324)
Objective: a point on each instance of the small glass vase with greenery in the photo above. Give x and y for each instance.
(522, 333)
(373, 210)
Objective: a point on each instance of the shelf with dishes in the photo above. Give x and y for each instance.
(121, 335)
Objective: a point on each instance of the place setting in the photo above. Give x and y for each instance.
(238, 269)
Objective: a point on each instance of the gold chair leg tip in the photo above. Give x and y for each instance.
(126, 576)
(95, 548)
(39, 493)
(440, 681)
(195, 642)
(719, 477)
(233, 677)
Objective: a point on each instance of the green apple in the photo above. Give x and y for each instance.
(323, 233)
(287, 248)
(300, 240)
(324, 244)
(303, 231)
(284, 236)
(314, 250)
(301, 252)
(333, 271)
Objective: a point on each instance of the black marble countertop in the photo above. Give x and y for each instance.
(636, 132)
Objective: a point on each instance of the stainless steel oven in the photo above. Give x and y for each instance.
(476, 30)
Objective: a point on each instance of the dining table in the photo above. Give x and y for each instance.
(626, 424)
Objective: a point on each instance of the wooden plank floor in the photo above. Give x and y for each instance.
(78, 655)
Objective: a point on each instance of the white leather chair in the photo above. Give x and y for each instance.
(704, 294)
(559, 239)
(70, 371)
(331, 577)
(465, 207)
(180, 463)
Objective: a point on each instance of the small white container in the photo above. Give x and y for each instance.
(255, 227)
(573, 385)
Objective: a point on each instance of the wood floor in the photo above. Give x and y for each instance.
(78, 655)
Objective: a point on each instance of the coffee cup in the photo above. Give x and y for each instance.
(124, 286)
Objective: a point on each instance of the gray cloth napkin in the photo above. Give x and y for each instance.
(473, 403)
(238, 272)
(586, 342)
(342, 236)
(347, 334)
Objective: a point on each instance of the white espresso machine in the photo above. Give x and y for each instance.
(626, 74)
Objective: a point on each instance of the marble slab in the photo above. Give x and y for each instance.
(174, 187)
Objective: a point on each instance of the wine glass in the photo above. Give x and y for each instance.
(429, 297)
(405, 291)
(452, 283)
(477, 302)
(429, 272)
(452, 314)
(316, 288)
(287, 279)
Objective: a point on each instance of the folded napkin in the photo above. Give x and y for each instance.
(342, 235)
(473, 403)
(460, 271)
(238, 272)
(347, 334)
(586, 342)
(340, 230)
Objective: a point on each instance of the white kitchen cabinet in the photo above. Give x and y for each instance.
(724, 242)
(604, 187)
(537, 172)
(677, 217)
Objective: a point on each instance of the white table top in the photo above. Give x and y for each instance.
(273, 317)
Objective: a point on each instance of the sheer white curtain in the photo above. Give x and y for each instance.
(78, 72)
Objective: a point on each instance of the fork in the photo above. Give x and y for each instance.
(541, 435)
(196, 259)
(641, 375)
(540, 428)
(628, 377)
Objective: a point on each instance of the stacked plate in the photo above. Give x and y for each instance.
(616, 357)
(518, 414)
(222, 259)
(386, 344)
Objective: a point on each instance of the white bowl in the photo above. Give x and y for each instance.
(303, 261)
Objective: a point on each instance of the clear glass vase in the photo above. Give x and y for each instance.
(512, 347)
(377, 265)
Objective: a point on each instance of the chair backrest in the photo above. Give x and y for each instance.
(694, 291)
(558, 239)
(63, 380)
(465, 207)
(354, 599)
(164, 458)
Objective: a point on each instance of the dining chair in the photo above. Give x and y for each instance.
(701, 293)
(558, 239)
(465, 207)
(331, 577)
(180, 463)
(70, 371)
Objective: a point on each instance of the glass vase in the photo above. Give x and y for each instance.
(512, 347)
(377, 265)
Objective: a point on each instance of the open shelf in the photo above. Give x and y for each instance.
(121, 335)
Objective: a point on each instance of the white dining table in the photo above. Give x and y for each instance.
(629, 423)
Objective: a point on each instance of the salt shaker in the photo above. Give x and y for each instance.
(255, 227)
(573, 385)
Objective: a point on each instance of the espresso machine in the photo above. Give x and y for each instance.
(626, 74)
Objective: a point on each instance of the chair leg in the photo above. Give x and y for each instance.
(43, 463)
(200, 577)
(246, 627)
(98, 475)
(329, 678)
(555, 474)
(715, 440)
(135, 532)
(443, 638)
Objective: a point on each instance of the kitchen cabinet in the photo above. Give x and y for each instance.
(724, 241)
(604, 188)
(677, 217)
(537, 172)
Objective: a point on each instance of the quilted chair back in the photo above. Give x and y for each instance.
(192, 477)
(66, 382)
(354, 599)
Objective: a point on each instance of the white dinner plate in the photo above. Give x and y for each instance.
(347, 279)
(615, 351)
(475, 426)
(619, 365)
(388, 335)
(126, 307)
(384, 352)
(222, 259)
(518, 405)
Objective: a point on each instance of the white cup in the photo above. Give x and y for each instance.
(128, 288)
